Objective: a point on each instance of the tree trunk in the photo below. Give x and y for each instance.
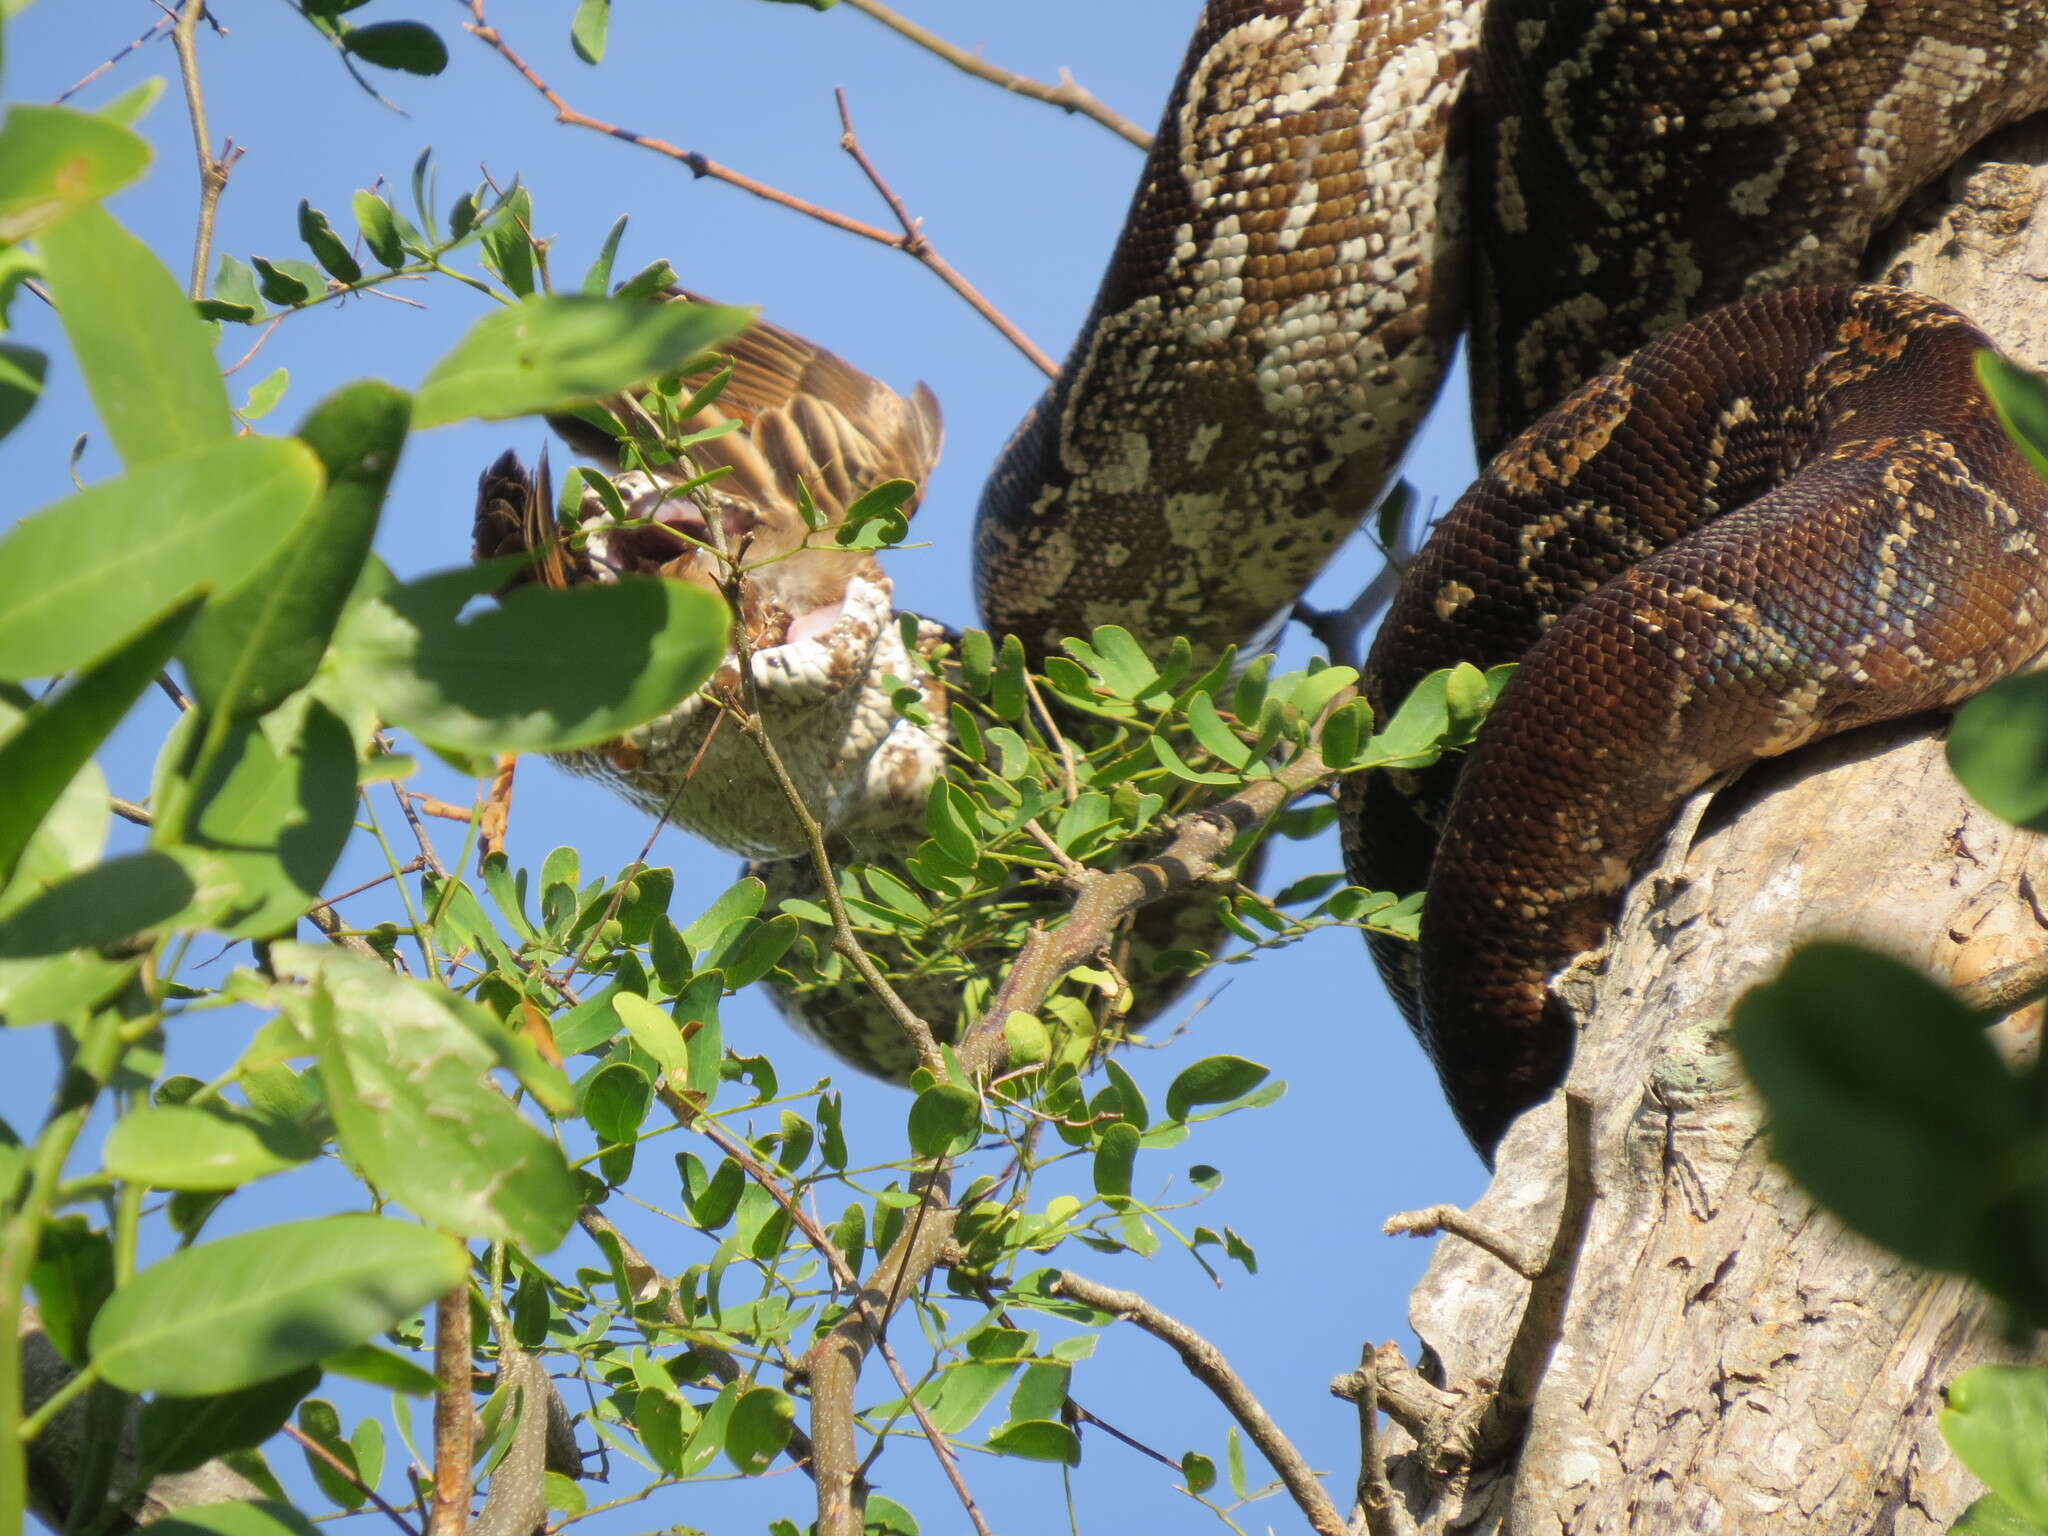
(1728, 1359)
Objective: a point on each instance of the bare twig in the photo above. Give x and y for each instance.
(452, 1414)
(410, 867)
(1435, 1219)
(419, 832)
(1075, 871)
(1473, 1424)
(916, 245)
(1206, 1364)
(128, 810)
(313, 1447)
(910, 242)
(1067, 95)
(155, 29)
(213, 170)
(2007, 989)
(322, 916)
(172, 691)
(942, 1448)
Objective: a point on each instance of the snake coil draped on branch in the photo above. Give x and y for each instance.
(1788, 516)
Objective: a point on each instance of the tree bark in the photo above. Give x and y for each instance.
(1729, 1359)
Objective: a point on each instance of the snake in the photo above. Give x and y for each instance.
(1734, 501)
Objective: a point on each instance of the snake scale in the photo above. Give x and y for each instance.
(1789, 511)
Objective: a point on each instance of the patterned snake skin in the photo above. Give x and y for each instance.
(1278, 314)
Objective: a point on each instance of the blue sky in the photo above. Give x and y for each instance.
(1025, 201)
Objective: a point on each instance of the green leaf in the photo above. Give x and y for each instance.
(587, 36)
(179, 1434)
(405, 1066)
(269, 817)
(322, 1425)
(147, 359)
(234, 285)
(945, 1119)
(379, 223)
(553, 352)
(1114, 1156)
(1026, 1039)
(287, 282)
(265, 639)
(22, 370)
(508, 244)
(1217, 739)
(209, 518)
(656, 1034)
(760, 1425)
(326, 245)
(1998, 748)
(1997, 1422)
(1171, 761)
(264, 394)
(599, 277)
(57, 736)
(381, 1368)
(203, 1146)
(254, 1517)
(616, 1100)
(73, 1275)
(1992, 1516)
(244, 1309)
(54, 160)
(1037, 1440)
(116, 900)
(1212, 1080)
(412, 46)
(1411, 738)
(547, 670)
(764, 948)
(2019, 395)
(1889, 1104)
(1199, 1471)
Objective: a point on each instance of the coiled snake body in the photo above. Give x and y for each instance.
(1789, 517)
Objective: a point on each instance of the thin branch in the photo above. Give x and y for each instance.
(2007, 989)
(323, 917)
(156, 27)
(844, 940)
(128, 810)
(313, 1447)
(213, 171)
(916, 245)
(949, 1460)
(173, 692)
(1067, 95)
(419, 832)
(910, 242)
(1433, 1220)
(1206, 1364)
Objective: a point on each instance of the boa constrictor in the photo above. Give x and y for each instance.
(1790, 516)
